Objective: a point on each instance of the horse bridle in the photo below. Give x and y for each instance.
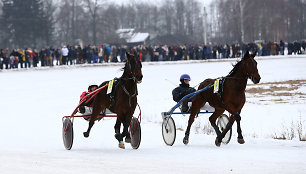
(133, 73)
(251, 75)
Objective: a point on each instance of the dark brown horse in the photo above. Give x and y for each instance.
(122, 101)
(231, 99)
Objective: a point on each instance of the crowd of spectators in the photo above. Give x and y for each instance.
(71, 55)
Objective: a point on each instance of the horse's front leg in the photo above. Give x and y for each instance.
(240, 137)
(126, 123)
(236, 116)
(118, 135)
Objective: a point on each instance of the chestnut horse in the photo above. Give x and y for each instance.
(231, 99)
(124, 100)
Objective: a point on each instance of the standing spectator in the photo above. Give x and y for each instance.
(244, 48)
(228, 51)
(234, 51)
(1, 59)
(1, 63)
(58, 54)
(114, 54)
(14, 59)
(88, 54)
(71, 55)
(42, 56)
(215, 47)
(259, 47)
(65, 52)
(290, 48)
(281, 47)
(207, 52)
(274, 49)
(171, 53)
(79, 55)
(35, 58)
(269, 48)
(297, 47)
(30, 55)
(197, 52)
(190, 53)
(52, 55)
(220, 51)
(22, 57)
(27, 60)
(100, 54)
(94, 55)
(6, 59)
(48, 57)
(304, 46)
(122, 53)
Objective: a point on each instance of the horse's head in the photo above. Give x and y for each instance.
(251, 67)
(133, 67)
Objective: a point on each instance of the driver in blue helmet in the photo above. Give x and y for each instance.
(183, 89)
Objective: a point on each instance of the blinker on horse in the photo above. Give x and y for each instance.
(232, 97)
(122, 100)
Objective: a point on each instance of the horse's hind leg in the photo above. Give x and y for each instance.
(194, 110)
(213, 118)
(95, 112)
(227, 128)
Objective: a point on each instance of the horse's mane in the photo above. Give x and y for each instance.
(235, 69)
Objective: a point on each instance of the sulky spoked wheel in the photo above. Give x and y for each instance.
(168, 130)
(67, 133)
(135, 133)
(222, 122)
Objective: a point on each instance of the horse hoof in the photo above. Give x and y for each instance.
(121, 145)
(128, 140)
(240, 140)
(186, 140)
(217, 142)
(86, 135)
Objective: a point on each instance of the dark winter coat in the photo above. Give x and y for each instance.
(179, 92)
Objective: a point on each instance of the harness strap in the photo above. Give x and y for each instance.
(220, 92)
(113, 93)
(130, 96)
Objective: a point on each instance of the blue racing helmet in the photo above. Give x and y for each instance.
(185, 77)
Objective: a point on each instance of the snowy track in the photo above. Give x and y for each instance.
(33, 103)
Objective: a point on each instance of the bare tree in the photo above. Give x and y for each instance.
(93, 7)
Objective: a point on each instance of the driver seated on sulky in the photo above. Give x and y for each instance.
(182, 90)
(87, 108)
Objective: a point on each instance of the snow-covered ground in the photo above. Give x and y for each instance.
(34, 101)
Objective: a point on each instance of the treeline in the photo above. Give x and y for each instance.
(41, 23)
(270, 20)
(33, 23)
